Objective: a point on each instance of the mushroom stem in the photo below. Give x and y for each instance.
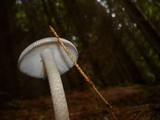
(56, 87)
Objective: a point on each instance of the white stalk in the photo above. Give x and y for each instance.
(56, 87)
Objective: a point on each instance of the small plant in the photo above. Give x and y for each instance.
(42, 117)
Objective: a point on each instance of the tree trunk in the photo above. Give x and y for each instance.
(150, 61)
(8, 72)
(149, 31)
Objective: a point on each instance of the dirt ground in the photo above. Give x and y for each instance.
(128, 103)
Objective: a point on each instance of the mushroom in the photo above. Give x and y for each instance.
(46, 58)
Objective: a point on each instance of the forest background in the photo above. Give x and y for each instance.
(118, 41)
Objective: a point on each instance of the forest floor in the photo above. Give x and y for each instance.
(129, 103)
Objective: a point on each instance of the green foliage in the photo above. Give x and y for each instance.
(21, 20)
(42, 117)
(151, 10)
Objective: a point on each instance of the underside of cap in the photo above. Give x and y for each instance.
(30, 61)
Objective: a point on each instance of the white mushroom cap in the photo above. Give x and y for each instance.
(30, 61)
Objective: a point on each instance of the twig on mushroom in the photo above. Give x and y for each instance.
(91, 84)
(46, 58)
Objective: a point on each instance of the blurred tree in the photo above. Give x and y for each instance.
(8, 75)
